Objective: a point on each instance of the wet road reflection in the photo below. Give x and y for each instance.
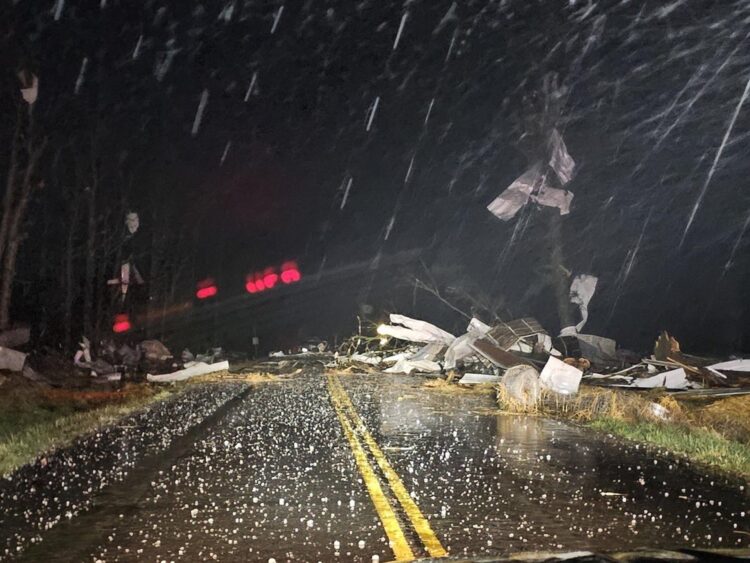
(275, 480)
(496, 484)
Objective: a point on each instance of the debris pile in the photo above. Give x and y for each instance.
(523, 358)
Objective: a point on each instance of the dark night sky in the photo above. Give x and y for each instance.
(651, 89)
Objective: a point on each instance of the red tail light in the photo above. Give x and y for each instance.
(206, 288)
(121, 324)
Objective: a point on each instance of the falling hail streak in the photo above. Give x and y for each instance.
(59, 5)
(252, 85)
(199, 113)
(372, 112)
(226, 152)
(276, 19)
(429, 110)
(727, 134)
(736, 245)
(695, 98)
(627, 267)
(450, 48)
(389, 228)
(408, 172)
(400, 30)
(634, 252)
(346, 192)
(137, 49)
(81, 75)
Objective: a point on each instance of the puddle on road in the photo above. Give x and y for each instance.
(494, 484)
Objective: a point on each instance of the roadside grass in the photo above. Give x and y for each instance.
(715, 433)
(34, 421)
(697, 444)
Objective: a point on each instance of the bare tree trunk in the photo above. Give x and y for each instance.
(88, 297)
(101, 273)
(14, 235)
(68, 268)
(10, 184)
(560, 276)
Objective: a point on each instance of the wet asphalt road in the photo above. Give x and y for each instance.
(275, 477)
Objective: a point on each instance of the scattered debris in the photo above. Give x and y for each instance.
(521, 335)
(29, 86)
(521, 384)
(155, 351)
(560, 377)
(407, 366)
(11, 360)
(198, 368)
(598, 350)
(478, 378)
(372, 360)
(461, 348)
(509, 202)
(415, 331)
(675, 379)
(15, 337)
(581, 291)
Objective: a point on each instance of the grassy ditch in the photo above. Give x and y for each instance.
(34, 420)
(714, 433)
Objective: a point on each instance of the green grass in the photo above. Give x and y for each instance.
(34, 422)
(698, 444)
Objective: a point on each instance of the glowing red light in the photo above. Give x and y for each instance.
(290, 272)
(260, 286)
(206, 292)
(251, 287)
(270, 279)
(122, 324)
(206, 288)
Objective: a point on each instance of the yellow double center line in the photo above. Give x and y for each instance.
(353, 426)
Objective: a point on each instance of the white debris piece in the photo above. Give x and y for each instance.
(29, 87)
(560, 161)
(659, 411)
(415, 331)
(674, 379)
(278, 354)
(560, 377)
(12, 360)
(428, 351)
(132, 222)
(508, 203)
(478, 378)
(581, 291)
(82, 357)
(407, 366)
(372, 360)
(461, 348)
(396, 357)
(732, 365)
(196, 369)
(553, 197)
